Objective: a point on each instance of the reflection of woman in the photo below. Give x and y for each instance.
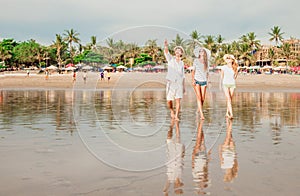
(200, 162)
(228, 77)
(228, 155)
(200, 76)
(175, 155)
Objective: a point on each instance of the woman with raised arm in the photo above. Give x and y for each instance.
(175, 79)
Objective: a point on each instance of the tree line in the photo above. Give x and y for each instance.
(67, 48)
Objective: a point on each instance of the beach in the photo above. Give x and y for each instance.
(65, 138)
(259, 82)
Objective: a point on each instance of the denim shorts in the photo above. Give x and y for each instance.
(203, 83)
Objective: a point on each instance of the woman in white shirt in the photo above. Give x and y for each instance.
(200, 76)
(175, 79)
(228, 76)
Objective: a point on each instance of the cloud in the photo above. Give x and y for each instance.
(41, 20)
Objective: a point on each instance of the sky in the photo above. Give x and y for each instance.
(139, 20)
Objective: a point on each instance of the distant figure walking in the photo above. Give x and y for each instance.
(84, 76)
(108, 77)
(74, 76)
(175, 79)
(102, 75)
(228, 76)
(200, 76)
(47, 74)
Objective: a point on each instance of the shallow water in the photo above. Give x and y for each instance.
(86, 142)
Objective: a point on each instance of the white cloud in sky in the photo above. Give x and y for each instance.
(42, 19)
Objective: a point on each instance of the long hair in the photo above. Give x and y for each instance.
(235, 66)
(205, 60)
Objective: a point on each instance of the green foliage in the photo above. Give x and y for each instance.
(26, 52)
(142, 58)
(89, 56)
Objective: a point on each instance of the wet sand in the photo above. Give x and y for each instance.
(260, 82)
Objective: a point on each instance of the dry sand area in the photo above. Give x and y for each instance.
(259, 82)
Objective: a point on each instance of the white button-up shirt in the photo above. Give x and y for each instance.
(175, 69)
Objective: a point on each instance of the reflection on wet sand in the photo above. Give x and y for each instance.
(200, 159)
(228, 156)
(175, 158)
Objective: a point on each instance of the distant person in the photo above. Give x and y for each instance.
(84, 76)
(102, 75)
(47, 73)
(200, 76)
(108, 77)
(175, 79)
(28, 72)
(74, 76)
(228, 76)
(228, 155)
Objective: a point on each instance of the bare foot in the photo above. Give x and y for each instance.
(202, 116)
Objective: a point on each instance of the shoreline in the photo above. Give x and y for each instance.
(142, 80)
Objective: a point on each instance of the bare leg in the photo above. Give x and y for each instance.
(231, 91)
(228, 101)
(203, 94)
(177, 108)
(170, 106)
(199, 100)
(229, 94)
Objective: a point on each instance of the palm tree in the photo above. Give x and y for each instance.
(195, 39)
(276, 34)
(59, 44)
(93, 42)
(209, 43)
(286, 52)
(70, 37)
(253, 42)
(219, 42)
(152, 49)
(178, 41)
(271, 54)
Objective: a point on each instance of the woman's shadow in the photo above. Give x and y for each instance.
(228, 155)
(200, 160)
(175, 156)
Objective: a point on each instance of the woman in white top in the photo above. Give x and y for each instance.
(200, 76)
(175, 79)
(228, 76)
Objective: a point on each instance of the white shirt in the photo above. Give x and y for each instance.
(175, 69)
(200, 73)
(228, 77)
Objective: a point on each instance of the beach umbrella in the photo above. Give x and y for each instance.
(148, 66)
(70, 68)
(52, 67)
(87, 67)
(121, 67)
(69, 65)
(159, 67)
(107, 67)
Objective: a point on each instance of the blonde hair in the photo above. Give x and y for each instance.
(235, 66)
(205, 59)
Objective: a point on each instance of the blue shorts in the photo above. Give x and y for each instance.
(203, 83)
